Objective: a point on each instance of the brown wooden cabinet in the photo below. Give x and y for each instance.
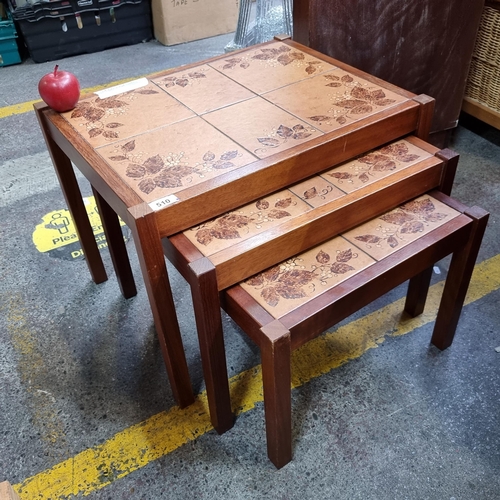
(423, 46)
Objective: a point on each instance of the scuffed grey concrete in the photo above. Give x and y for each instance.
(78, 363)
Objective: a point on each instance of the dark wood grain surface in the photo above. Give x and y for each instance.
(425, 46)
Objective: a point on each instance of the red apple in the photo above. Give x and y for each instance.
(60, 90)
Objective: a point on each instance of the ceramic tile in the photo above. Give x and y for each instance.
(375, 165)
(388, 233)
(292, 283)
(104, 121)
(270, 67)
(333, 99)
(296, 281)
(239, 225)
(316, 191)
(167, 160)
(261, 127)
(203, 89)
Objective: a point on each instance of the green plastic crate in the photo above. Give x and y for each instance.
(9, 51)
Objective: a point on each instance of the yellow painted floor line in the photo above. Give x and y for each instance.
(25, 107)
(135, 447)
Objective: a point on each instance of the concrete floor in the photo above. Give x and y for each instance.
(85, 406)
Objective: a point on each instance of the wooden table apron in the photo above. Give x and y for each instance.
(207, 199)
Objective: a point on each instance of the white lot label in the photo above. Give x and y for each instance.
(123, 87)
(163, 202)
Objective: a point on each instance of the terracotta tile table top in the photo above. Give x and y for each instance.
(294, 282)
(192, 125)
(179, 148)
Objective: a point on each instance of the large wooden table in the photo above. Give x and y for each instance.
(195, 142)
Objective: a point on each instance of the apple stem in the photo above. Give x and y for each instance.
(55, 69)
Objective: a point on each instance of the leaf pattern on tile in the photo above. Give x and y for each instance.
(282, 135)
(282, 56)
(362, 100)
(233, 62)
(399, 151)
(381, 160)
(312, 67)
(354, 101)
(339, 266)
(146, 91)
(310, 193)
(228, 226)
(337, 81)
(290, 279)
(410, 218)
(128, 146)
(286, 281)
(94, 113)
(314, 192)
(167, 171)
(223, 228)
(110, 103)
(182, 80)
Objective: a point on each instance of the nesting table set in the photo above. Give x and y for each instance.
(285, 186)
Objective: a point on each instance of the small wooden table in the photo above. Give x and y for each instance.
(198, 141)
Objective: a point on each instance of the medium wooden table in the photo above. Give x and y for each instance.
(192, 143)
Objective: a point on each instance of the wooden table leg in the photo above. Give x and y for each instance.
(206, 306)
(416, 296)
(457, 282)
(116, 245)
(150, 252)
(419, 285)
(450, 159)
(277, 381)
(73, 197)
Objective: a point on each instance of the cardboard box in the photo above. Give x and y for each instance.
(178, 21)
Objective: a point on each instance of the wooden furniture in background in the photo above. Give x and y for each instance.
(482, 92)
(425, 46)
